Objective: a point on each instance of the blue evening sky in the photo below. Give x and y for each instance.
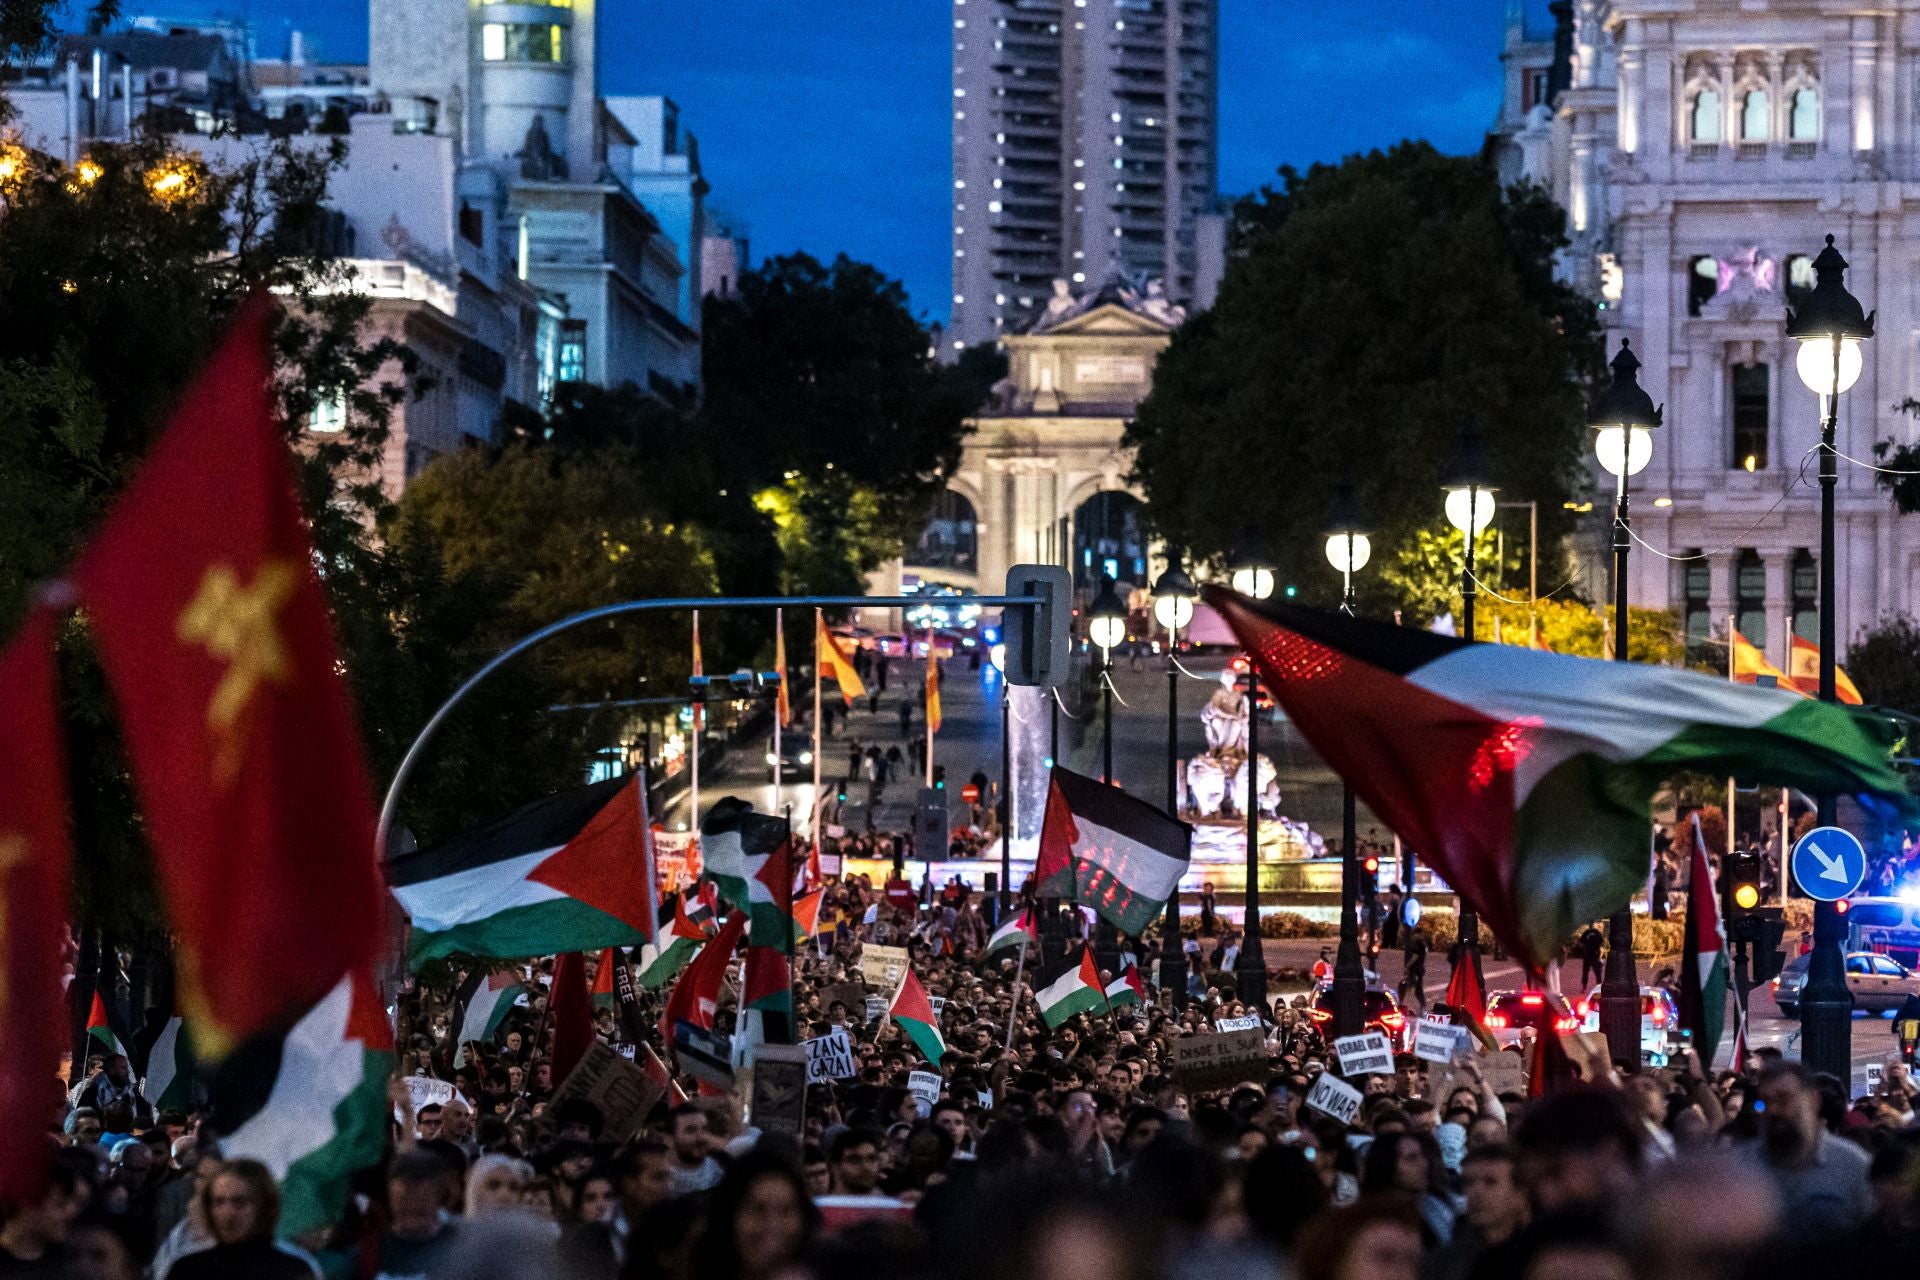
(824, 126)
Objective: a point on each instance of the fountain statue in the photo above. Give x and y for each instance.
(1216, 793)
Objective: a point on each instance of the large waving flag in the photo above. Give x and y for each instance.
(1126, 989)
(1113, 852)
(35, 885)
(212, 628)
(696, 996)
(831, 660)
(169, 1074)
(311, 1104)
(749, 860)
(1803, 660)
(1703, 957)
(565, 873)
(1527, 778)
(1019, 928)
(1750, 666)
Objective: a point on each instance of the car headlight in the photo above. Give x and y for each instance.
(806, 757)
(772, 758)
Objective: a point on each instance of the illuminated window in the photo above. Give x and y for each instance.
(523, 42)
(1755, 116)
(573, 351)
(1703, 120)
(1750, 417)
(1803, 121)
(329, 413)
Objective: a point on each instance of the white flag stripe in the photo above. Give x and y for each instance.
(319, 1068)
(477, 893)
(1060, 988)
(1141, 867)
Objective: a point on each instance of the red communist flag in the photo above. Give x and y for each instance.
(572, 1011)
(213, 630)
(34, 880)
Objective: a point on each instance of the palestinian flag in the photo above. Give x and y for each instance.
(312, 1104)
(806, 914)
(168, 1084)
(682, 935)
(486, 999)
(567, 873)
(749, 859)
(1069, 986)
(1126, 989)
(832, 661)
(914, 1012)
(696, 996)
(602, 989)
(1527, 778)
(102, 1038)
(1703, 957)
(1104, 848)
(1468, 1000)
(1019, 928)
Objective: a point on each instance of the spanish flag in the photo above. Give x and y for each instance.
(212, 628)
(933, 687)
(1749, 664)
(1804, 661)
(830, 659)
(783, 705)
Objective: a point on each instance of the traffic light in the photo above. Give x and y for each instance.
(1740, 883)
(841, 794)
(939, 777)
(1768, 956)
(1036, 637)
(1369, 876)
(930, 823)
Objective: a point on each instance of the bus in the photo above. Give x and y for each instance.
(1888, 926)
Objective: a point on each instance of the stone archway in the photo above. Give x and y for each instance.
(949, 542)
(1110, 539)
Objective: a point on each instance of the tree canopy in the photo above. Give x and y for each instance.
(1371, 311)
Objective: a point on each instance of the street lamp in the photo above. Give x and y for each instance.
(1830, 324)
(1623, 420)
(1348, 550)
(1253, 576)
(1471, 502)
(1107, 627)
(1173, 598)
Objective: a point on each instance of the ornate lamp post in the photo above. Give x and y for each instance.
(1253, 577)
(1107, 627)
(1623, 419)
(1830, 325)
(1348, 550)
(1470, 506)
(1173, 598)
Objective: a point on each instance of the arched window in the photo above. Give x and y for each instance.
(1803, 123)
(1756, 117)
(1703, 121)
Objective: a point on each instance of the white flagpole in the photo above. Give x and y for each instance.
(774, 801)
(650, 860)
(819, 624)
(1019, 971)
(699, 716)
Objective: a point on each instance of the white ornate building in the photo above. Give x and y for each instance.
(1703, 150)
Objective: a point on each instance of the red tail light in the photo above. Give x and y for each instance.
(1497, 1021)
(1320, 1015)
(1532, 998)
(1566, 1024)
(1583, 1006)
(1393, 1020)
(1659, 1015)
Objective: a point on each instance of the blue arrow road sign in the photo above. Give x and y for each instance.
(1828, 863)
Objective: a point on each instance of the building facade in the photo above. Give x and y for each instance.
(1043, 474)
(1703, 152)
(1084, 146)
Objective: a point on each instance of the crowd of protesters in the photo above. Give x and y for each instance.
(1068, 1152)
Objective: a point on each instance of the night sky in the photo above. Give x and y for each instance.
(824, 126)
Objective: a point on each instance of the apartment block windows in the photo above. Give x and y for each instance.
(573, 351)
(1756, 119)
(1803, 117)
(1703, 117)
(522, 42)
(1750, 597)
(1751, 412)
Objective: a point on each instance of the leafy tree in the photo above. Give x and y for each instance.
(1371, 311)
(1885, 664)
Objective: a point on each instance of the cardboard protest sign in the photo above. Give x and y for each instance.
(1439, 1041)
(779, 1101)
(1876, 1075)
(1249, 1022)
(423, 1091)
(1505, 1072)
(925, 1088)
(876, 1008)
(1364, 1055)
(882, 966)
(1219, 1061)
(619, 1090)
(1333, 1096)
(830, 1057)
(852, 995)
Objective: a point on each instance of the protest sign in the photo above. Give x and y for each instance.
(925, 1088)
(1363, 1055)
(830, 1057)
(876, 1007)
(882, 966)
(1876, 1075)
(423, 1091)
(1333, 1096)
(1505, 1073)
(1439, 1041)
(938, 1004)
(676, 857)
(1219, 1061)
(779, 1099)
(852, 996)
(622, 1092)
(705, 1055)
(1250, 1022)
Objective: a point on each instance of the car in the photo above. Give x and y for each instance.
(1880, 984)
(1511, 1014)
(1377, 1004)
(1659, 1021)
(796, 756)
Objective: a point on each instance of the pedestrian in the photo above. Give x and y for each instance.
(855, 754)
(894, 761)
(1413, 972)
(1390, 923)
(1208, 923)
(241, 1207)
(1589, 946)
(906, 717)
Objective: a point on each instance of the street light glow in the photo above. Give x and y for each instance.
(1477, 499)
(1349, 552)
(1814, 363)
(1629, 447)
